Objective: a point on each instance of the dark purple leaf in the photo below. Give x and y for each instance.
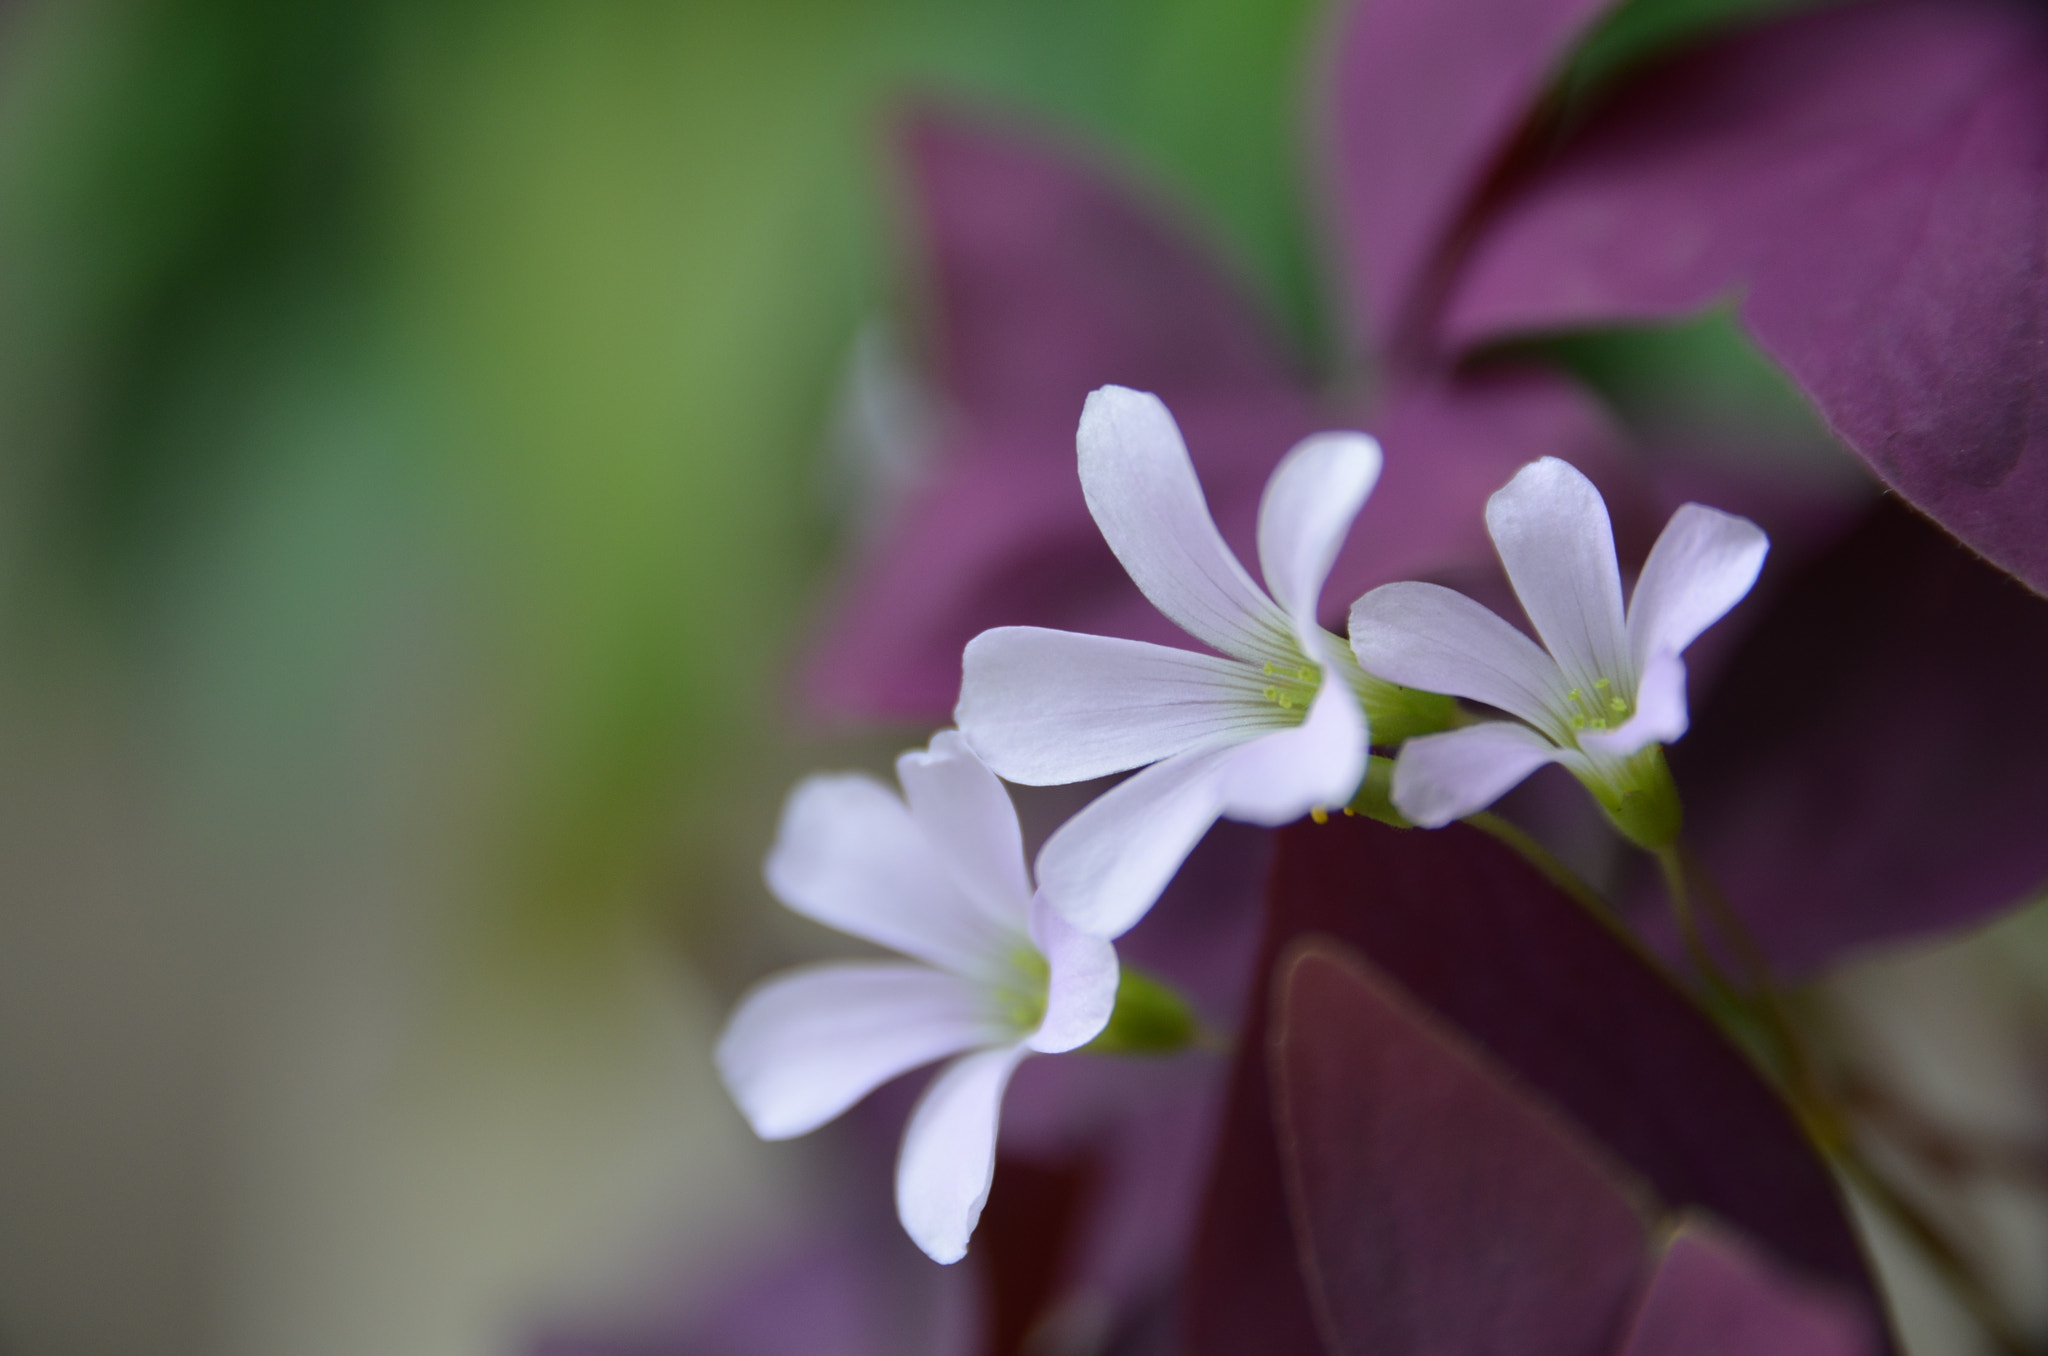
(1050, 277)
(1872, 764)
(1565, 1004)
(1443, 1212)
(1871, 181)
(1450, 444)
(1429, 94)
(1713, 1295)
(1053, 278)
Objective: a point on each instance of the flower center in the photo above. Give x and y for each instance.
(1019, 1001)
(1292, 689)
(1600, 709)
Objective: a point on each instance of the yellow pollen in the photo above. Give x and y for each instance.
(1320, 815)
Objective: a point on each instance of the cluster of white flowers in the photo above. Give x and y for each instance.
(1277, 725)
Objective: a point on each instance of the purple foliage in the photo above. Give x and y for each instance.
(1871, 181)
(1569, 1007)
(1872, 764)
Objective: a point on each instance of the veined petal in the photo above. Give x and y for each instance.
(1107, 865)
(1442, 777)
(807, 1044)
(968, 820)
(1046, 707)
(1279, 777)
(848, 855)
(1660, 715)
(1141, 487)
(1429, 637)
(1705, 562)
(1081, 983)
(949, 1151)
(1307, 510)
(1551, 529)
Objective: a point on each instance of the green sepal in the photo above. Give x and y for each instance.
(1149, 1019)
(1396, 713)
(1643, 804)
(1375, 798)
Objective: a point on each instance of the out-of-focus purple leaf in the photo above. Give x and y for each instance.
(1873, 762)
(1565, 1004)
(1429, 95)
(1442, 1211)
(1872, 181)
(1051, 278)
(1713, 1295)
(1449, 444)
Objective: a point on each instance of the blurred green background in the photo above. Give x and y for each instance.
(410, 500)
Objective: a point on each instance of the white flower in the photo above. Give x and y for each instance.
(1257, 736)
(993, 976)
(1608, 695)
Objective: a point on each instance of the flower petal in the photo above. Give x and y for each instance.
(1278, 778)
(1660, 715)
(1046, 707)
(1442, 777)
(807, 1044)
(1551, 529)
(1705, 562)
(849, 855)
(1428, 637)
(949, 1151)
(1081, 984)
(968, 820)
(1310, 502)
(1106, 866)
(1141, 487)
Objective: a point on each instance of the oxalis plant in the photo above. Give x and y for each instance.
(1441, 1087)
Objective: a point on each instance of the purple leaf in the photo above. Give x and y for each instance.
(1450, 444)
(1052, 278)
(1565, 1004)
(1714, 1295)
(1442, 1211)
(1872, 763)
(1429, 96)
(1872, 182)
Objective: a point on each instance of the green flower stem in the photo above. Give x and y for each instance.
(1759, 1021)
(1827, 1122)
(1676, 890)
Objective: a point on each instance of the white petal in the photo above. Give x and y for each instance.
(1142, 489)
(949, 1152)
(1704, 563)
(1107, 865)
(1551, 529)
(1442, 777)
(967, 818)
(1428, 637)
(1081, 987)
(1278, 778)
(1047, 707)
(849, 855)
(807, 1044)
(1308, 508)
(1660, 714)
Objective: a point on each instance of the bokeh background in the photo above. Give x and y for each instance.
(427, 434)
(417, 472)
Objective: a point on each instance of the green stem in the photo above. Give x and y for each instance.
(1676, 890)
(1825, 1121)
